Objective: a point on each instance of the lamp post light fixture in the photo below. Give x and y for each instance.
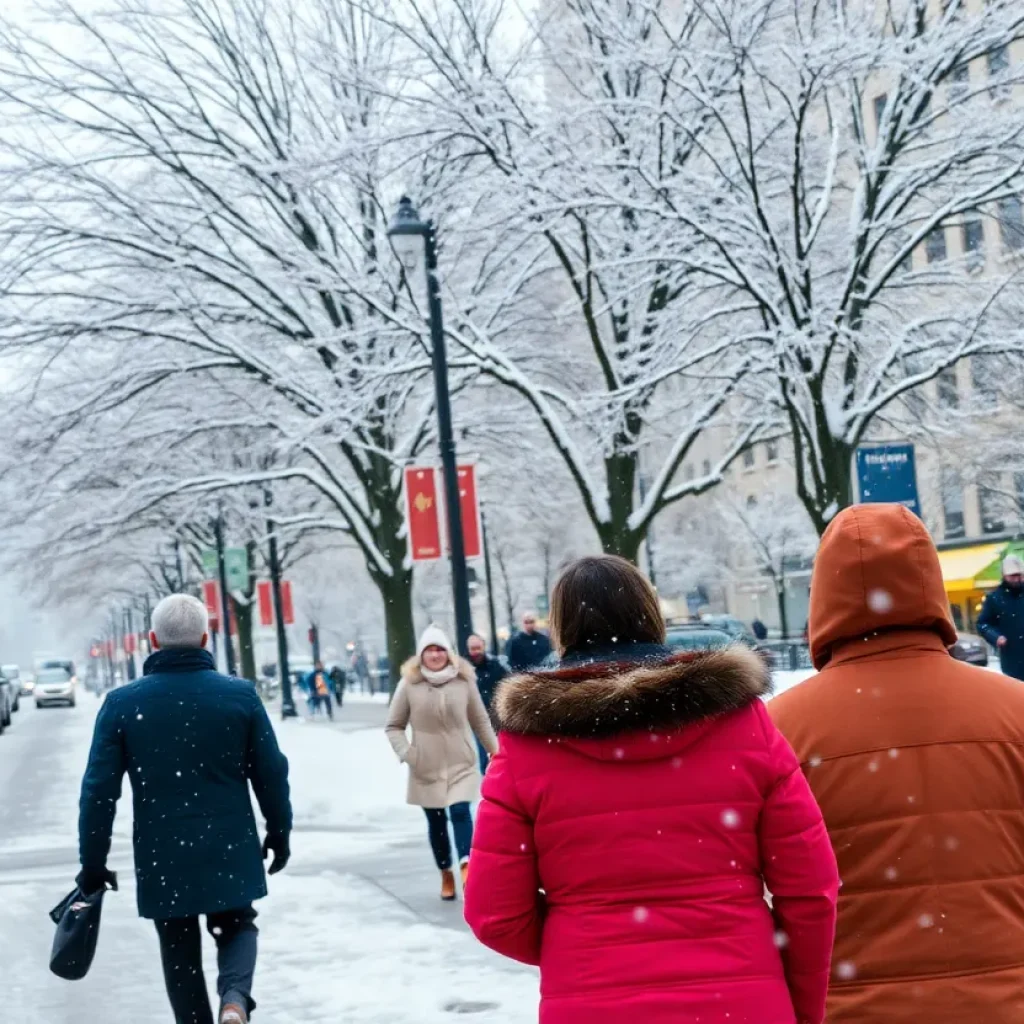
(415, 244)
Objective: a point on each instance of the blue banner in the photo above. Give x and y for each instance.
(887, 473)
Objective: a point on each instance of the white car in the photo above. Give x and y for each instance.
(55, 686)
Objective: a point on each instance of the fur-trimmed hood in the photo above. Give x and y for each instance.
(603, 699)
(412, 671)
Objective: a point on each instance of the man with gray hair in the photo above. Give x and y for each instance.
(191, 742)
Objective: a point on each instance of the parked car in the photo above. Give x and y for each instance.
(55, 686)
(970, 648)
(13, 673)
(740, 633)
(7, 691)
(28, 684)
(697, 636)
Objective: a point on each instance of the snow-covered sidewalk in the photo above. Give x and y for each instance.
(337, 945)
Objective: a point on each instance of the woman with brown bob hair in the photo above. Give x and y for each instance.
(640, 803)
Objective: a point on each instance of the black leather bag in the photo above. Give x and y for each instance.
(77, 918)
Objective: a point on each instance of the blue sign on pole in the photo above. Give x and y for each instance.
(887, 473)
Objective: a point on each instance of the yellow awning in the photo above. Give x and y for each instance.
(960, 567)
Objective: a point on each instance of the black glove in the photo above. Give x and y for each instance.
(91, 880)
(277, 844)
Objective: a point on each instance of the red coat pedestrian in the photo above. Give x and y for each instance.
(640, 804)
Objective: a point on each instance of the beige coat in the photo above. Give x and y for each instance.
(444, 767)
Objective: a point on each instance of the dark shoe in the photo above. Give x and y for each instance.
(233, 1014)
(448, 886)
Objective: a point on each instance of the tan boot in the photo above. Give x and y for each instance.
(464, 868)
(448, 886)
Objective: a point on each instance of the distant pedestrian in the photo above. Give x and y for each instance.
(639, 806)
(529, 647)
(759, 629)
(439, 699)
(319, 690)
(191, 742)
(338, 680)
(489, 673)
(1001, 621)
(916, 760)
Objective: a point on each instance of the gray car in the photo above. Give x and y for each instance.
(8, 701)
(55, 686)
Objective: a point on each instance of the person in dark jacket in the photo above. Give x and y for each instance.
(1001, 621)
(759, 629)
(489, 673)
(338, 681)
(319, 690)
(528, 648)
(192, 742)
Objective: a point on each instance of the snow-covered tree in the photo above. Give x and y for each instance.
(198, 190)
(575, 129)
(861, 159)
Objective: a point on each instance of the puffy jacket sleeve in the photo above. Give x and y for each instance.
(801, 874)
(988, 620)
(504, 905)
(398, 722)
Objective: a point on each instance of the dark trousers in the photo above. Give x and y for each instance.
(181, 949)
(485, 758)
(440, 843)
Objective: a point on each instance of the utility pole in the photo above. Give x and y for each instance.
(314, 640)
(492, 618)
(129, 631)
(287, 700)
(225, 599)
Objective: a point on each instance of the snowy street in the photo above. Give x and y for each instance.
(353, 931)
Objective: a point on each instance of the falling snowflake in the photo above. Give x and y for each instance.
(730, 818)
(880, 601)
(641, 914)
(846, 970)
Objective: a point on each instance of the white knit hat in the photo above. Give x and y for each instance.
(435, 636)
(1013, 566)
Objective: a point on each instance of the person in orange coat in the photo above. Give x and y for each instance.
(917, 762)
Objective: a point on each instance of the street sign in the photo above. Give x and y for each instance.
(887, 473)
(469, 506)
(421, 513)
(236, 568)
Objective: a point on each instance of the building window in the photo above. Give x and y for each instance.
(880, 102)
(1011, 223)
(952, 504)
(998, 66)
(974, 242)
(991, 505)
(771, 449)
(707, 467)
(985, 381)
(949, 393)
(935, 245)
(959, 82)
(748, 459)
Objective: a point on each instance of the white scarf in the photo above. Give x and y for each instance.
(445, 675)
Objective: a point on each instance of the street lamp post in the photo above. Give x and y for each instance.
(415, 243)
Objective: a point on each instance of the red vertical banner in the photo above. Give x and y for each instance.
(287, 605)
(211, 596)
(265, 600)
(421, 513)
(469, 506)
(129, 643)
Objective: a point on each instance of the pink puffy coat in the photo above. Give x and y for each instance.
(629, 826)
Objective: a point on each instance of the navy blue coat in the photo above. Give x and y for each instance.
(489, 673)
(1003, 615)
(527, 650)
(191, 741)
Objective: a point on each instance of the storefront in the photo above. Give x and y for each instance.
(969, 573)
